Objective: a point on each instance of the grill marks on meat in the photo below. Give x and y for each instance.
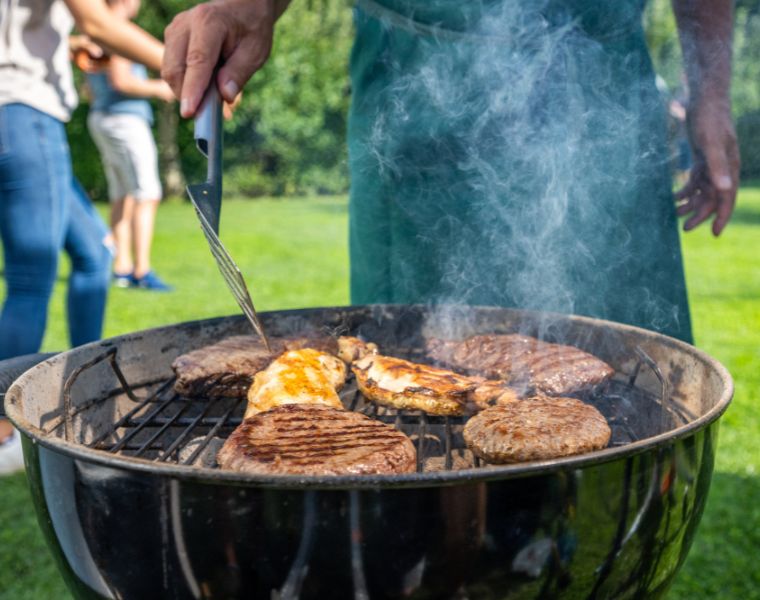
(536, 428)
(304, 376)
(227, 367)
(523, 362)
(298, 439)
(405, 385)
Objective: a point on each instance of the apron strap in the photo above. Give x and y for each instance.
(408, 24)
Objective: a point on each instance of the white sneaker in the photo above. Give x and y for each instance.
(11, 455)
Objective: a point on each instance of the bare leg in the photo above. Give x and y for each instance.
(122, 213)
(142, 231)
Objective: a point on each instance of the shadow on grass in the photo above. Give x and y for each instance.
(722, 562)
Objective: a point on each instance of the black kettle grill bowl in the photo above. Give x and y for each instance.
(612, 523)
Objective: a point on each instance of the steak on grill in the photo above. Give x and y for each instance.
(536, 428)
(304, 376)
(227, 367)
(300, 439)
(402, 384)
(523, 362)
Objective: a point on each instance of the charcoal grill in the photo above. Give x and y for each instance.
(127, 491)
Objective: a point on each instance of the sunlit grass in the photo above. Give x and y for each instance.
(294, 253)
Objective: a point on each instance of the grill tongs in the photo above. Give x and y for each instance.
(207, 200)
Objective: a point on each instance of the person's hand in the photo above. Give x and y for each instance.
(714, 179)
(235, 32)
(164, 92)
(229, 108)
(86, 54)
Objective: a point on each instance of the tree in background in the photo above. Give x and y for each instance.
(288, 135)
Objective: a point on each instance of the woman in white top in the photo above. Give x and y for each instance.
(42, 208)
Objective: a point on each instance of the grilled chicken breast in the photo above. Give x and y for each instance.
(227, 367)
(536, 428)
(352, 348)
(305, 376)
(403, 384)
(523, 362)
(303, 439)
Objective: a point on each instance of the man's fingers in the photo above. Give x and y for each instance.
(718, 166)
(687, 190)
(686, 207)
(723, 211)
(242, 63)
(176, 36)
(727, 196)
(703, 211)
(203, 50)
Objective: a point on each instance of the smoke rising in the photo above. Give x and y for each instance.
(528, 149)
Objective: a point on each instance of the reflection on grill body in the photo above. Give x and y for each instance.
(163, 426)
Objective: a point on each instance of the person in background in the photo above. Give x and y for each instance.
(42, 208)
(120, 122)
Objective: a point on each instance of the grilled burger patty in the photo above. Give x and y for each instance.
(298, 439)
(537, 428)
(304, 376)
(524, 362)
(227, 367)
(402, 384)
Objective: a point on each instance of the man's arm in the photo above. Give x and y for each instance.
(705, 29)
(237, 33)
(95, 20)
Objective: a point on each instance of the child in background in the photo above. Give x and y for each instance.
(120, 122)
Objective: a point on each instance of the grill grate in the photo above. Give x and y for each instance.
(162, 426)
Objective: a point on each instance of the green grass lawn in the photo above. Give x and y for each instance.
(293, 253)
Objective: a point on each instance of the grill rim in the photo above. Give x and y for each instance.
(33, 434)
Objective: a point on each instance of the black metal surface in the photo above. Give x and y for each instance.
(613, 530)
(611, 524)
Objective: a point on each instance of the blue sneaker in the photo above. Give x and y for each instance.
(122, 280)
(150, 281)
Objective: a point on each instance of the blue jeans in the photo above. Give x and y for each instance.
(43, 209)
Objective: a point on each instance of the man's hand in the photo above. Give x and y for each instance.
(237, 33)
(705, 29)
(714, 179)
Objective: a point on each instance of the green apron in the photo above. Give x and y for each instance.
(512, 153)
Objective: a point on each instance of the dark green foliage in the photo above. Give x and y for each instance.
(748, 130)
(288, 134)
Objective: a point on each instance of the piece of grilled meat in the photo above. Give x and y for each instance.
(304, 376)
(403, 384)
(524, 362)
(227, 367)
(304, 439)
(536, 428)
(352, 348)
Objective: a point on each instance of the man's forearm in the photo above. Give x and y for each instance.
(705, 29)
